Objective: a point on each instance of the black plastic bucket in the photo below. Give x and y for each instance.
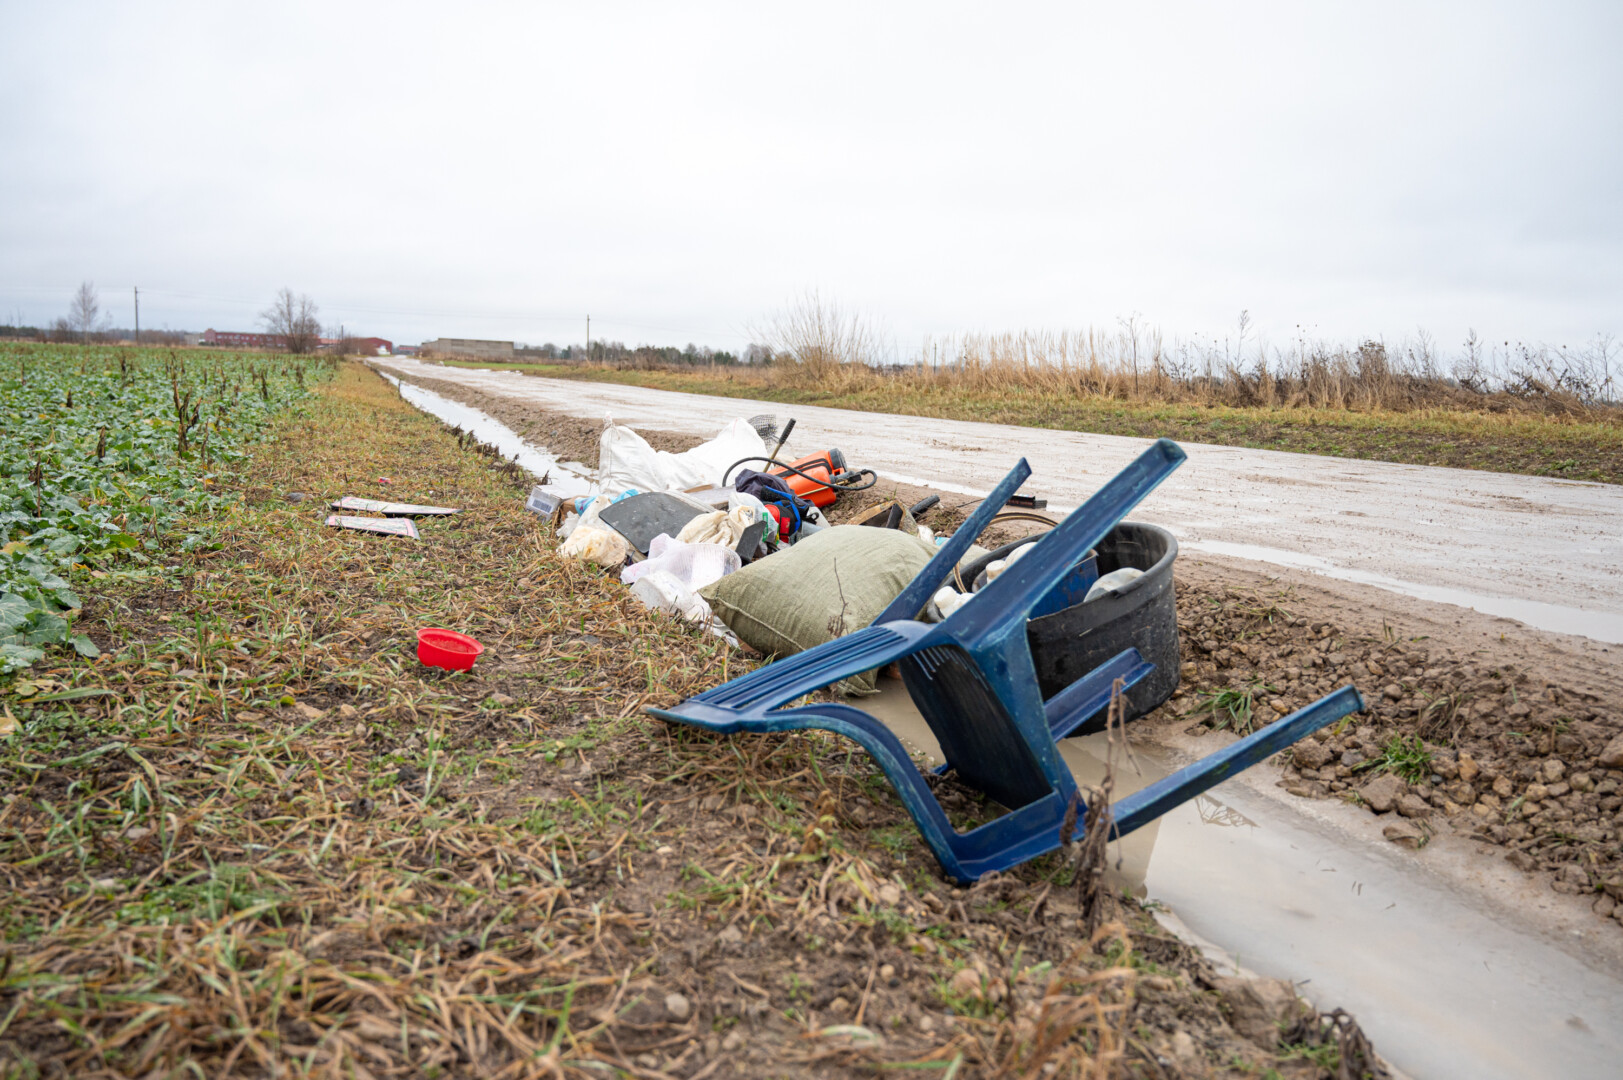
(1144, 616)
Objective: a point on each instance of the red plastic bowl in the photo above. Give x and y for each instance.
(447, 649)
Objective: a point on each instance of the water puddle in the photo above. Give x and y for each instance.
(566, 477)
(1600, 625)
(1442, 987)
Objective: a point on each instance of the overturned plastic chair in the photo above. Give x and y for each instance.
(973, 681)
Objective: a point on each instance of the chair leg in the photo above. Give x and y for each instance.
(1143, 807)
(1072, 706)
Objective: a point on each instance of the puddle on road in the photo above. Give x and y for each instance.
(1600, 625)
(1442, 988)
(569, 478)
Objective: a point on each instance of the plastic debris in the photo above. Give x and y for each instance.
(595, 543)
(625, 460)
(640, 518)
(447, 649)
(544, 502)
(946, 601)
(694, 565)
(724, 527)
(391, 509)
(997, 566)
(387, 526)
(669, 579)
(1113, 582)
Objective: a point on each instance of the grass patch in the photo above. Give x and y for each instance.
(1405, 757)
(1233, 709)
(255, 835)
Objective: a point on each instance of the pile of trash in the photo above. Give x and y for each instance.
(734, 537)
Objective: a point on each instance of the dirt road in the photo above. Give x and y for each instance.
(1546, 552)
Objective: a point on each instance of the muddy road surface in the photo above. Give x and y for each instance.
(1546, 552)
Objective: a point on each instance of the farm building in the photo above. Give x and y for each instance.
(244, 340)
(484, 350)
(374, 346)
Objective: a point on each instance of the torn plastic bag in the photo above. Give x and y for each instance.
(669, 580)
(588, 538)
(625, 460)
(693, 565)
(595, 544)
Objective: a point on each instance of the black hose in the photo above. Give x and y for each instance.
(831, 483)
(929, 502)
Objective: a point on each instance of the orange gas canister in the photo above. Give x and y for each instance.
(821, 469)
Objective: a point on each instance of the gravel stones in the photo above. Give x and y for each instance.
(678, 1007)
(1612, 756)
(1413, 806)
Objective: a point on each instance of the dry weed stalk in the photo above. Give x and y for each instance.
(1090, 855)
(1077, 1029)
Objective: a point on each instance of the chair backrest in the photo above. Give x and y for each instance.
(976, 732)
(974, 682)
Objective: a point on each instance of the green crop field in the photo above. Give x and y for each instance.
(103, 452)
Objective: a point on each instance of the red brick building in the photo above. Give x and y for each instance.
(244, 340)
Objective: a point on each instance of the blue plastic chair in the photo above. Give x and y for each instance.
(973, 680)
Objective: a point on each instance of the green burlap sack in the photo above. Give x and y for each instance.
(829, 584)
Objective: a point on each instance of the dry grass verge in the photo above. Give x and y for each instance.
(255, 837)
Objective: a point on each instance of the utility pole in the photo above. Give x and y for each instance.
(138, 314)
(588, 339)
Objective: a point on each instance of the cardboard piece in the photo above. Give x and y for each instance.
(387, 526)
(391, 509)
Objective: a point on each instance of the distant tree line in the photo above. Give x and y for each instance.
(619, 354)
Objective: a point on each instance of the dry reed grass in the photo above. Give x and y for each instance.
(818, 345)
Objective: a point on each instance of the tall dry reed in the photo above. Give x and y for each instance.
(816, 345)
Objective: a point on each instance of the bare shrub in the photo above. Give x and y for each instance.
(820, 340)
(294, 320)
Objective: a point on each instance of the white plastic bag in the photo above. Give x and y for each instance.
(670, 578)
(694, 565)
(594, 543)
(662, 590)
(625, 460)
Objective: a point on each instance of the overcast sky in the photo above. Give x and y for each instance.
(680, 171)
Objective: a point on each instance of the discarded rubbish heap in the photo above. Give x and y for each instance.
(1003, 652)
(973, 679)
